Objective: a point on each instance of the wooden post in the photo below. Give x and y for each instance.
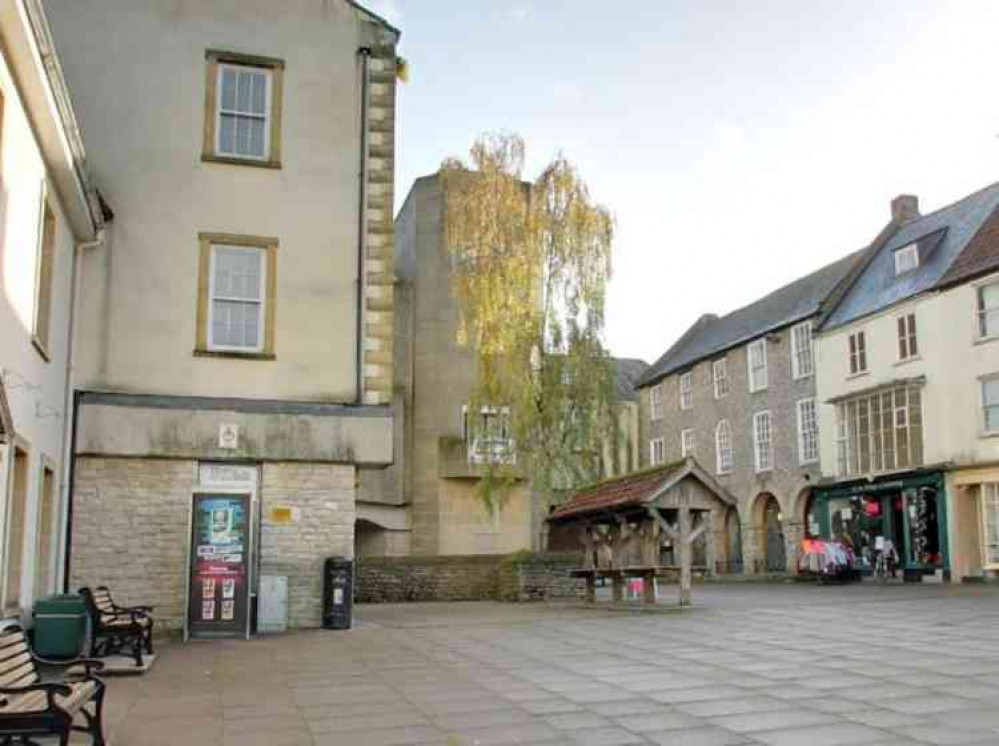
(649, 587)
(617, 582)
(709, 540)
(591, 588)
(683, 544)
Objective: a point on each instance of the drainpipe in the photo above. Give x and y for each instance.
(362, 203)
(71, 404)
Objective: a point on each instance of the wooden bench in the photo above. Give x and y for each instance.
(30, 708)
(620, 575)
(114, 628)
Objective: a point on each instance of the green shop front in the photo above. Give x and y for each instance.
(908, 509)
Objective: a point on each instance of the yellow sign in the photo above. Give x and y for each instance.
(282, 514)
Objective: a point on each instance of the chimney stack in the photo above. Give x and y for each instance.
(904, 207)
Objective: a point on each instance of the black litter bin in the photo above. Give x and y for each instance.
(338, 593)
(60, 626)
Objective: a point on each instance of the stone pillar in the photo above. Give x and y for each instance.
(794, 532)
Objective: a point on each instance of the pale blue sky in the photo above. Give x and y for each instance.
(740, 144)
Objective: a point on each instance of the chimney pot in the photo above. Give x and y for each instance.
(904, 207)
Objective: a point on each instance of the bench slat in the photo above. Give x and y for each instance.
(11, 652)
(17, 676)
(29, 702)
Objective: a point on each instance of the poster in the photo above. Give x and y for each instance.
(219, 568)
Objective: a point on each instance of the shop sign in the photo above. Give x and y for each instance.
(219, 567)
(227, 475)
(283, 514)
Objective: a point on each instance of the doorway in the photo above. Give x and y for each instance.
(776, 552)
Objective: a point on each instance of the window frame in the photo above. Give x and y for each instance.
(800, 405)
(12, 606)
(982, 312)
(760, 344)
(984, 406)
(720, 382)
(506, 453)
(686, 386)
(687, 448)
(797, 331)
(758, 417)
(984, 521)
(661, 443)
(875, 434)
(47, 512)
(45, 261)
(656, 402)
(907, 337)
(912, 250)
(268, 247)
(216, 61)
(720, 462)
(857, 352)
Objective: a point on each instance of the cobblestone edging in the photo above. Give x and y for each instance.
(518, 577)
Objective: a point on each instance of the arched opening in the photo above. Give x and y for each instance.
(733, 542)
(768, 525)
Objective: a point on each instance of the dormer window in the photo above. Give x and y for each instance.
(906, 259)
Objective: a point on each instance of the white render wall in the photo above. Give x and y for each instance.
(950, 357)
(137, 74)
(35, 387)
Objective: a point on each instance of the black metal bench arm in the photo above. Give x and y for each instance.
(89, 664)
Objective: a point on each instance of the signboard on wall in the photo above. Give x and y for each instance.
(219, 592)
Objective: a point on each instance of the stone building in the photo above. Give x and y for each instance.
(737, 393)
(235, 358)
(50, 217)
(907, 371)
(427, 503)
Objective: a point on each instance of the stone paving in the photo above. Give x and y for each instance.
(777, 665)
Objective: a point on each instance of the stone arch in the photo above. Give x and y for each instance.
(767, 526)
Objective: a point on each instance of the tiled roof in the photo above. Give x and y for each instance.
(631, 489)
(942, 237)
(787, 305)
(979, 257)
(629, 370)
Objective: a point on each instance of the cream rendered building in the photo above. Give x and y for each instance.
(49, 217)
(906, 366)
(237, 325)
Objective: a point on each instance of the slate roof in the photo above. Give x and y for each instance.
(979, 257)
(942, 236)
(711, 335)
(629, 370)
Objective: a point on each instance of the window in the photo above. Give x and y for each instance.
(243, 109)
(14, 540)
(907, 347)
(488, 436)
(802, 362)
(656, 402)
(720, 370)
(46, 531)
(880, 431)
(858, 353)
(906, 259)
(988, 310)
(757, 358)
(723, 447)
(990, 404)
(686, 390)
(236, 295)
(808, 432)
(990, 524)
(657, 451)
(762, 444)
(43, 277)
(686, 443)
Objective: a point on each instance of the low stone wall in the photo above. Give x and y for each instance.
(519, 577)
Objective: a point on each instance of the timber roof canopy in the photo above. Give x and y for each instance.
(636, 490)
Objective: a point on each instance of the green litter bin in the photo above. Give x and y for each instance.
(60, 626)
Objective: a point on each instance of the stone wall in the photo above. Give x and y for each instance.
(130, 524)
(519, 577)
(323, 494)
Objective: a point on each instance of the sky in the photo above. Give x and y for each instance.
(740, 144)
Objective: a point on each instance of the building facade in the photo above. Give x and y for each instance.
(235, 359)
(737, 393)
(429, 502)
(906, 370)
(49, 217)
